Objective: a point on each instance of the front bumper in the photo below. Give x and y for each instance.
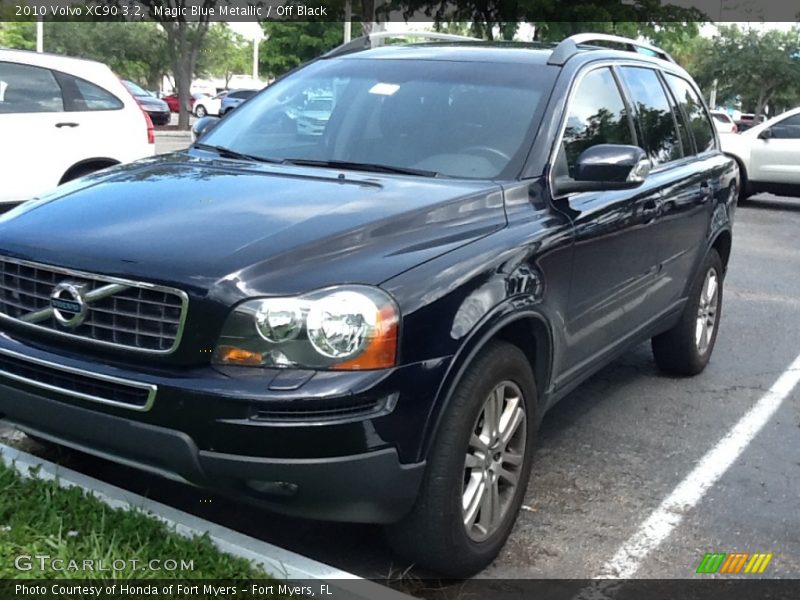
(159, 117)
(203, 427)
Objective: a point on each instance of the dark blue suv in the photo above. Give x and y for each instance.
(367, 323)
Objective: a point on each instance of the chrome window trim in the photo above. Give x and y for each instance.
(108, 279)
(574, 85)
(151, 388)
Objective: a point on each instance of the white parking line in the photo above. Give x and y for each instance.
(664, 519)
(272, 559)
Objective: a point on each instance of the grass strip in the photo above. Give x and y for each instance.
(70, 526)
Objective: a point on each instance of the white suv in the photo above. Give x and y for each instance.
(62, 118)
(768, 155)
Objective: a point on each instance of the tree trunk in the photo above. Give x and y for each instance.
(183, 81)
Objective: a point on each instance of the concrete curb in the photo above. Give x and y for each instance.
(173, 133)
(272, 559)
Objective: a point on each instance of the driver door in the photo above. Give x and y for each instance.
(613, 256)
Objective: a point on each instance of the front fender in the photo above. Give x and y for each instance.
(520, 314)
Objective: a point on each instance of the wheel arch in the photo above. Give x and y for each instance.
(527, 329)
(89, 164)
(723, 244)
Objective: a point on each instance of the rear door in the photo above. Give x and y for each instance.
(101, 125)
(690, 196)
(678, 175)
(34, 142)
(776, 159)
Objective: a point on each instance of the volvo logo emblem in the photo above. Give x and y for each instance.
(69, 305)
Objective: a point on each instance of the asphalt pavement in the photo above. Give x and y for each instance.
(610, 452)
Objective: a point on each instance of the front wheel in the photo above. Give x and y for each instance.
(478, 468)
(686, 348)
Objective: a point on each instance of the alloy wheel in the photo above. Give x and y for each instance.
(493, 462)
(707, 311)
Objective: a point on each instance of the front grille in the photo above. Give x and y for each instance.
(118, 312)
(326, 410)
(74, 383)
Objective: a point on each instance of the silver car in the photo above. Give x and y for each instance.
(234, 99)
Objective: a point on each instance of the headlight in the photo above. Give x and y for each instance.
(347, 327)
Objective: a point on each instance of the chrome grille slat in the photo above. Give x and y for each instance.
(128, 314)
(136, 315)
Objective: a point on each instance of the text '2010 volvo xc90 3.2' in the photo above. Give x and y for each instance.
(368, 324)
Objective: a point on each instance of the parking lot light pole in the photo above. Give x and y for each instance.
(258, 36)
(348, 16)
(39, 35)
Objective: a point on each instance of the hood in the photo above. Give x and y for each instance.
(243, 230)
(151, 102)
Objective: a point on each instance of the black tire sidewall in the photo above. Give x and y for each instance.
(438, 510)
(676, 350)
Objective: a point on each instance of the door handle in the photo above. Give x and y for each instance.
(705, 191)
(69, 124)
(650, 209)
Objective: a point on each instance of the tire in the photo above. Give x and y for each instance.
(745, 189)
(686, 349)
(434, 534)
(200, 111)
(80, 172)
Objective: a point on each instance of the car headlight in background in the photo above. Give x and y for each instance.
(346, 327)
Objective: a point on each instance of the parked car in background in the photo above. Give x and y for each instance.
(369, 325)
(174, 104)
(209, 105)
(748, 120)
(313, 117)
(768, 155)
(723, 122)
(62, 118)
(155, 107)
(234, 99)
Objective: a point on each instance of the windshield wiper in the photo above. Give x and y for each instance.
(359, 166)
(228, 153)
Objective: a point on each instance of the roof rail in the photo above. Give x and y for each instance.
(569, 47)
(365, 42)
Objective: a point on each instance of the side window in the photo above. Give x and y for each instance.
(788, 129)
(91, 97)
(654, 113)
(598, 115)
(699, 123)
(26, 89)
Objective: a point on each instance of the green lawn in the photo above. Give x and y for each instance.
(38, 517)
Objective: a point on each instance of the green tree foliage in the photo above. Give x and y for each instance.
(184, 41)
(224, 53)
(289, 44)
(554, 19)
(758, 67)
(19, 35)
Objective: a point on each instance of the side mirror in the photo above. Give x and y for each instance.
(765, 134)
(202, 126)
(606, 167)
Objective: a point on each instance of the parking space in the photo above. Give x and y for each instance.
(615, 448)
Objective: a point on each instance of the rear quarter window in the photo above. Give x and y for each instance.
(81, 95)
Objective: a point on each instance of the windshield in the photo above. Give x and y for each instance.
(135, 89)
(458, 119)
